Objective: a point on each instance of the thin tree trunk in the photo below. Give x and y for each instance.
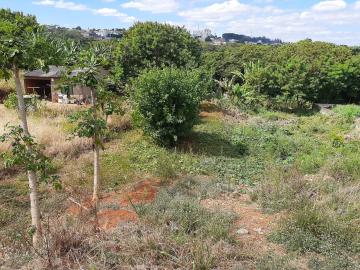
(34, 201)
(96, 149)
(96, 173)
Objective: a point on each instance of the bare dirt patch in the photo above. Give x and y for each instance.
(252, 226)
(117, 207)
(227, 116)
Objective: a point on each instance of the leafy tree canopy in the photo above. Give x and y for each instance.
(23, 44)
(152, 44)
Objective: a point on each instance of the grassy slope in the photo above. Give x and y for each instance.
(302, 166)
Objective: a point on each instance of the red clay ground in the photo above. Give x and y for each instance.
(115, 208)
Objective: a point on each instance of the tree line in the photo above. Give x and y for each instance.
(289, 76)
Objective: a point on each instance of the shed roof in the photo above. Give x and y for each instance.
(54, 72)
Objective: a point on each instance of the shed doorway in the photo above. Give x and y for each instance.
(39, 87)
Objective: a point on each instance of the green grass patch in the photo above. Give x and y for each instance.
(180, 212)
(350, 112)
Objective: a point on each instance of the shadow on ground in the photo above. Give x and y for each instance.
(212, 144)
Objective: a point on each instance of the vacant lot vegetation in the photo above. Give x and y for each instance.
(176, 169)
(305, 167)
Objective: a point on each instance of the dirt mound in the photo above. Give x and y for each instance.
(117, 207)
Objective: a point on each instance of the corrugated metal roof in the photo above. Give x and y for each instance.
(54, 72)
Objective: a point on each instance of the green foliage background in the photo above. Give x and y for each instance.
(152, 44)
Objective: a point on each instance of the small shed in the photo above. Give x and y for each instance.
(46, 84)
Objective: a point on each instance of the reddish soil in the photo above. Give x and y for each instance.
(116, 207)
(257, 224)
(109, 219)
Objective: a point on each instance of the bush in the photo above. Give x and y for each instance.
(345, 79)
(167, 102)
(11, 101)
(284, 86)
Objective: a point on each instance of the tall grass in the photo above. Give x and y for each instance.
(49, 132)
(7, 86)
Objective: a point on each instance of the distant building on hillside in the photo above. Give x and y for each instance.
(202, 34)
(218, 41)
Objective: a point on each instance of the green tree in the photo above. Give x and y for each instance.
(258, 84)
(24, 47)
(151, 44)
(293, 75)
(345, 80)
(92, 64)
(298, 84)
(167, 102)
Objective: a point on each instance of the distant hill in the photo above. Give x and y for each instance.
(231, 37)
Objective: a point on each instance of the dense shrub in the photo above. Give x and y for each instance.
(345, 80)
(288, 86)
(288, 77)
(257, 86)
(167, 102)
(223, 60)
(151, 44)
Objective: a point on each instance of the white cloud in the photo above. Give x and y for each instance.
(154, 6)
(107, 12)
(45, 3)
(292, 26)
(111, 12)
(331, 5)
(218, 11)
(357, 5)
(62, 4)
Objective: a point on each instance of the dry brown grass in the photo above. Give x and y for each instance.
(52, 110)
(120, 122)
(7, 86)
(50, 132)
(73, 245)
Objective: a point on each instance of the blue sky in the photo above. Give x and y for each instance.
(336, 21)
